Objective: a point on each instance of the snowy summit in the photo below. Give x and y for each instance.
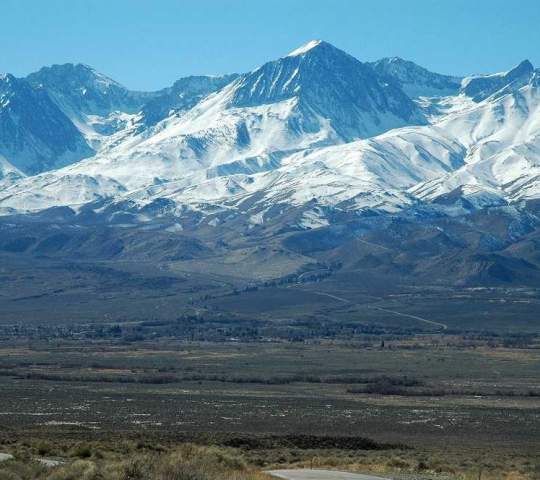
(305, 48)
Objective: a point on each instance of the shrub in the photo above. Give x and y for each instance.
(138, 468)
(79, 470)
(18, 470)
(82, 451)
(9, 475)
(181, 471)
(44, 448)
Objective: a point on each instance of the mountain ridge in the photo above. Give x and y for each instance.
(415, 80)
(314, 165)
(316, 125)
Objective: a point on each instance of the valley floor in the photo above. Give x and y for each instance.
(435, 403)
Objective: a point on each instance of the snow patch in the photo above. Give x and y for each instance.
(304, 48)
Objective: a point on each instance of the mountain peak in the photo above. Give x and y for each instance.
(77, 87)
(389, 60)
(73, 73)
(480, 87)
(328, 83)
(36, 135)
(81, 67)
(523, 68)
(415, 80)
(306, 48)
(183, 95)
(6, 77)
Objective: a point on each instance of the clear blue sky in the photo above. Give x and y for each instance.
(147, 44)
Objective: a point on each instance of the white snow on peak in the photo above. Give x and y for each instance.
(304, 48)
(219, 156)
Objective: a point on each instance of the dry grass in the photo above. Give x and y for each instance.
(136, 460)
(416, 464)
(188, 462)
(437, 465)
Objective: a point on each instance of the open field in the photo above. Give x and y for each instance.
(431, 398)
(334, 370)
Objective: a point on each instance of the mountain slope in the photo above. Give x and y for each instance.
(80, 88)
(493, 163)
(313, 165)
(35, 135)
(106, 112)
(415, 80)
(97, 105)
(316, 96)
(181, 96)
(332, 85)
(502, 139)
(480, 87)
(317, 134)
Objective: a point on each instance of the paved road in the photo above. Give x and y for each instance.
(306, 474)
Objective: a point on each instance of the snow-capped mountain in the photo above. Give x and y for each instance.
(35, 135)
(501, 137)
(331, 89)
(79, 88)
(97, 105)
(64, 113)
(480, 87)
(315, 96)
(8, 173)
(316, 131)
(415, 80)
(181, 96)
